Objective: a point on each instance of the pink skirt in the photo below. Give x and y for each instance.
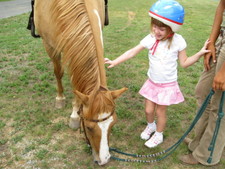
(162, 93)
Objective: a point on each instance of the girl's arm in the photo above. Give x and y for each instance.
(127, 55)
(188, 61)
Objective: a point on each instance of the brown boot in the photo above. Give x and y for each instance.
(189, 159)
(187, 140)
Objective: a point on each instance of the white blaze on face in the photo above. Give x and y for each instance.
(100, 24)
(74, 113)
(104, 148)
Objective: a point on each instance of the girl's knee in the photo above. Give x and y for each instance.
(149, 113)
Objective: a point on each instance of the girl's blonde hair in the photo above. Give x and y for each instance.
(170, 33)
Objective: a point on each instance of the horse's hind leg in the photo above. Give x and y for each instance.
(56, 59)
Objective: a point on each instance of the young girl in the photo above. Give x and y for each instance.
(165, 47)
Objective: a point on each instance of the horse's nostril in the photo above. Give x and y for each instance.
(108, 157)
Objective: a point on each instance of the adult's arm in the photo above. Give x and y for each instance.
(214, 34)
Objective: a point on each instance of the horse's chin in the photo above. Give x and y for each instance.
(102, 163)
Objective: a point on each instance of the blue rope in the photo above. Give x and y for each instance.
(220, 116)
(172, 148)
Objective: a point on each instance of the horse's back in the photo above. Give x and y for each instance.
(42, 19)
(47, 12)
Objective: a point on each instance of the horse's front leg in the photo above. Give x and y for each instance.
(56, 59)
(74, 117)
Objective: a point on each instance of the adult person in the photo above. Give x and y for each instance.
(212, 77)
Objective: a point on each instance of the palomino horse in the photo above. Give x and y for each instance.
(72, 35)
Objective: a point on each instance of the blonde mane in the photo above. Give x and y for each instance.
(75, 39)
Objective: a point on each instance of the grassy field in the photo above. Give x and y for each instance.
(33, 134)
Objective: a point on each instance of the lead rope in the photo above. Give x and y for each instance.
(220, 116)
(173, 147)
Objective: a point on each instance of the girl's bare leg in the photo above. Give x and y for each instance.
(161, 117)
(150, 110)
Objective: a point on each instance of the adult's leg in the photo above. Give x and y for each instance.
(201, 152)
(202, 90)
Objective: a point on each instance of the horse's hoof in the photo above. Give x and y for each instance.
(74, 123)
(60, 102)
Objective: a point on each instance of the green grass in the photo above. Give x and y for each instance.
(33, 134)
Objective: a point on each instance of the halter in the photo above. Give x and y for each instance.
(82, 118)
(80, 113)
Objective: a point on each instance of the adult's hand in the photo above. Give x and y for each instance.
(219, 79)
(209, 56)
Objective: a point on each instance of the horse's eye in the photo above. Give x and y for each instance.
(90, 129)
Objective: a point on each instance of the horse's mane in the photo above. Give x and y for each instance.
(75, 38)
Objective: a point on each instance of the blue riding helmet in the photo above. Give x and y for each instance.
(170, 12)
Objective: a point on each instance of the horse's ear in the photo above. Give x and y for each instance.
(116, 93)
(83, 97)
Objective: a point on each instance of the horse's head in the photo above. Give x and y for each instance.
(98, 116)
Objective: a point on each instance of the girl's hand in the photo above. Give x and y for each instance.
(204, 49)
(108, 61)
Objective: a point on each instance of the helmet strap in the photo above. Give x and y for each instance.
(170, 35)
